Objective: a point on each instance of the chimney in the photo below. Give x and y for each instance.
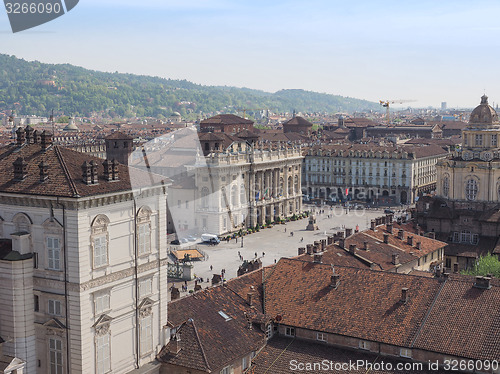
(329, 240)
(323, 244)
(401, 234)
(395, 259)
(342, 243)
(318, 258)
(418, 245)
(20, 137)
(86, 173)
(309, 249)
(438, 271)
(446, 276)
(365, 246)
(386, 238)
(483, 282)
(36, 137)
(114, 165)
(175, 344)
(107, 170)
(404, 295)
(250, 298)
(455, 268)
(21, 242)
(335, 281)
(29, 134)
(93, 171)
(352, 248)
(45, 140)
(315, 249)
(20, 169)
(373, 225)
(44, 175)
(410, 240)
(389, 228)
(174, 293)
(302, 250)
(348, 232)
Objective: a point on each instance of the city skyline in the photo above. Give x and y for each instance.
(423, 51)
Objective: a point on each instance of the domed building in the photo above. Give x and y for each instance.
(466, 209)
(472, 175)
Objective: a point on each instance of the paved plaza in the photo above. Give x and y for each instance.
(273, 243)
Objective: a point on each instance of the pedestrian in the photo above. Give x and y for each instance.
(291, 233)
(255, 254)
(285, 229)
(239, 254)
(274, 260)
(236, 239)
(301, 239)
(263, 254)
(211, 267)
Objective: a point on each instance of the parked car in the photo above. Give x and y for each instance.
(192, 238)
(388, 211)
(184, 240)
(175, 242)
(210, 238)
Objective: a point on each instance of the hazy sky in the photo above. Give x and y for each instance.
(429, 51)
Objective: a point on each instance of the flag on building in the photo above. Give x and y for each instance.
(347, 191)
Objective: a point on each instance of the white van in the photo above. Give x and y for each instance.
(210, 238)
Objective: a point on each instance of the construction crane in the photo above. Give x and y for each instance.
(387, 103)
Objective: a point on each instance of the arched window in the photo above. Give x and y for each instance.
(204, 197)
(290, 186)
(446, 186)
(99, 241)
(471, 189)
(23, 222)
(144, 231)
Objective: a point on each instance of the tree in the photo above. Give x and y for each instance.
(488, 264)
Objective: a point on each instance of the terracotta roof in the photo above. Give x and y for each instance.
(64, 173)
(471, 317)
(118, 135)
(300, 292)
(226, 119)
(297, 121)
(280, 352)
(207, 333)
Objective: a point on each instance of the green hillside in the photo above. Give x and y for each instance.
(37, 88)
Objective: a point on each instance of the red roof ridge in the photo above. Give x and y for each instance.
(200, 344)
(66, 171)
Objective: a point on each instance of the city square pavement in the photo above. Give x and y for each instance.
(273, 243)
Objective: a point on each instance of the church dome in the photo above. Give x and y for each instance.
(483, 114)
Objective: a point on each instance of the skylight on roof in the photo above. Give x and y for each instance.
(225, 316)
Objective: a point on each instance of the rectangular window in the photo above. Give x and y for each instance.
(187, 204)
(100, 251)
(456, 237)
(144, 238)
(37, 303)
(146, 335)
(475, 238)
(145, 287)
(55, 308)
(55, 356)
(103, 354)
(321, 337)
(494, 140)
(405, 352)
(290, 331)
(178, 204)
(54, 253)
(479, 139)
(101, 303)
(364, 345)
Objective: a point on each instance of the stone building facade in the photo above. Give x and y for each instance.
(249, 187)
(85, 244)
(385, 175)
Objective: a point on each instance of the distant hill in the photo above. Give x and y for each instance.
(37, 88)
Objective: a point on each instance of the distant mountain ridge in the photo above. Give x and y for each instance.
(37, 88)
